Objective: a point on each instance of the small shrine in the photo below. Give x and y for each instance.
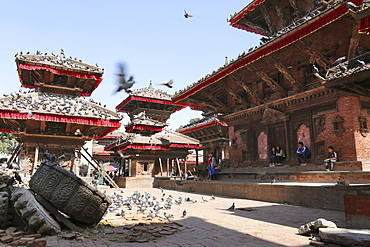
(53, 114)
(148, 149)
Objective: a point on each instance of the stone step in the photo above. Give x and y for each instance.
(354, 177)
(338, 166)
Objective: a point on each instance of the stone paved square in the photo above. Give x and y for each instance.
(211, 224)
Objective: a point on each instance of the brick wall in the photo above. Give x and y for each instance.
(357, 210)
(349, 143)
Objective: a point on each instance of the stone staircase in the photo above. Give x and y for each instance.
(354, 172)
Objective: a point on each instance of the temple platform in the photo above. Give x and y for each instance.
(323, 195)
(134, 182)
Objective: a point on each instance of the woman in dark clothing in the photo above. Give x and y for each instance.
(273, 156)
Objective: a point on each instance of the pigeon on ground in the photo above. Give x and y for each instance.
(18, 177)
(187, 15)
(204, 200)
(49, 156)
(232, 207)
(124, 84)
(10, 182)
(213, 197)
(184, 213)
(168, 216)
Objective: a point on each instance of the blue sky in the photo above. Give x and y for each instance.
(152, 37)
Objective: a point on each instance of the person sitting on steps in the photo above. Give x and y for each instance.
(280, 155)
(331, 159)
(303, 152)
(273, 156)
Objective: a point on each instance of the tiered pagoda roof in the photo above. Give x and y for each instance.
(166, 140)
(144, 126)
(54, 114)
(57, 73)
(154, 103)
(206, 129)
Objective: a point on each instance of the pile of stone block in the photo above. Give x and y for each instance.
(12, 237)
(51, 190)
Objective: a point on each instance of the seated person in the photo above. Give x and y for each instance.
(331, 159)
(303, 153)
(273, 156)
(280, 155)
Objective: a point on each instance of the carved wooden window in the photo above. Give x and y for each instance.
(363, 122)
(338, 125)
(363, 125)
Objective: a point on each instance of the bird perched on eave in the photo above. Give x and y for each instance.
(340, 60)
(124, 84)
(352, 6)
(167, 84)
(187, 15)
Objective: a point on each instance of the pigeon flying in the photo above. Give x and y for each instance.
(124, 84)
(167, 84)
(186, 14)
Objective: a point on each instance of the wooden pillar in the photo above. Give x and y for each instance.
(34, 165)
(178, 167)
(186, 169)
(168, 167)
(129, 167)
(287, 149)
(196, 157)
(76, 163)
(160, 165)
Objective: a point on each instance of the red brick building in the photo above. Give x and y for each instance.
(289, 88)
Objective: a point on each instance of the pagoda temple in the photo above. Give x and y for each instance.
(53, 114)
(306, 81)
(148, 149)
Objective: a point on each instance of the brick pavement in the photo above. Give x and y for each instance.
(211, 224)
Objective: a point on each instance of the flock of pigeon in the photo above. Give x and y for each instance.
(34, 101)
(359, 62)
(58, 60)
(150, 205)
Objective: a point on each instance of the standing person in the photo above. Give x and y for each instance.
(331, 159)
(211, 166)
(280, 155)
(303, 152)
(273, 156)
